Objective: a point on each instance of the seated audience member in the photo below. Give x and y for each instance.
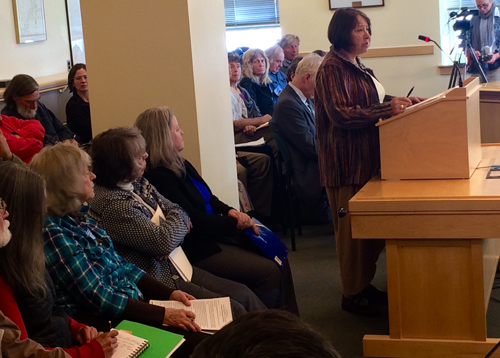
(28, 292)
(290, 45)
(24, 137)
(319, 53)
(217, 242)
(77, 108)
(246, 113)
(21, 101)
(266, 334)
(290, 73)
(278, 79)
(255, 172)
(146, 227)
(12, 346)
(294, 121)
(93, 283)
(256, 79)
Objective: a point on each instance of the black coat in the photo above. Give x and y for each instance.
(200, 243)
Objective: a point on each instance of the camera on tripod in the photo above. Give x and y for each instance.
(462, 24)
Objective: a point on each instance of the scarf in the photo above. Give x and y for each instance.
(483, 29)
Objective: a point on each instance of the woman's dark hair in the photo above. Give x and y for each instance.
(114, 155)
(234, 57)
(20, 86)
(343, 22)
(22, 260)
(72, 73)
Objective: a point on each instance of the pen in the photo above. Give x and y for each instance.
(411, 90)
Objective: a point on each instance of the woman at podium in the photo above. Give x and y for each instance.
(349, 100)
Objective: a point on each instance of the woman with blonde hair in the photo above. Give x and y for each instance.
(217, 242)
(256, 79)
(28, 292)
(93, 282)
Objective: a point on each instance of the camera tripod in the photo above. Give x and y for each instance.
(455, 72)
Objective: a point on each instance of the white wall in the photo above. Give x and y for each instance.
(396, 24)
(37, 59)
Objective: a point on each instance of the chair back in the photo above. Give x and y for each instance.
(283, 148)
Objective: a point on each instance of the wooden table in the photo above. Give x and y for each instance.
(441, 260)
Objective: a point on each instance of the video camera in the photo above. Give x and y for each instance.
(462, 23)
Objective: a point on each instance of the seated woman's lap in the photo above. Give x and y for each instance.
(206, 285)
(259, 273)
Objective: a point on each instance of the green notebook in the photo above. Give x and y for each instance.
(161, 343)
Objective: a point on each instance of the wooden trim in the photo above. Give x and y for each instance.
(394, 51)
(399, 51)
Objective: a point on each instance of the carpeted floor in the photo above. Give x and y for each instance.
(316, 277)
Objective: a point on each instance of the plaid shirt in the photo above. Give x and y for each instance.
(85, 267)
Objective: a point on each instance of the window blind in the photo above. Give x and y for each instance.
(458, 4)
(251, 13)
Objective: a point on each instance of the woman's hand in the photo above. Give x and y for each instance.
(244, 221)
(399, 105)
(494, 57)
(415, 100)
(181, 296)
(85, 334)
(249, 130)
(108, 342)
(5, 152)
(181, 318)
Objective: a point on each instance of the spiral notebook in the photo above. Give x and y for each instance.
(161, 343)
(129, 346)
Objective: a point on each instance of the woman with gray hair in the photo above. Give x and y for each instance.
(146, 227)
(256, 79)
(217, 243)
(290, 45)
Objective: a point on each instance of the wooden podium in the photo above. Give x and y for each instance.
(440, 248)
(436, 139)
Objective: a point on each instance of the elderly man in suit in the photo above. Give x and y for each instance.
(293, 119)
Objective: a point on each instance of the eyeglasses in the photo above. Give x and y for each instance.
(483, 6)
(3, 207)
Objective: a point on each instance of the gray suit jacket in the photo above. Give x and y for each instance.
(296, 124)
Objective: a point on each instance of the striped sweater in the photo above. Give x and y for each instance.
(347, 107)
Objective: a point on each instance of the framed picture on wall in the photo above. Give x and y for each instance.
(29, 18)
(337, 4)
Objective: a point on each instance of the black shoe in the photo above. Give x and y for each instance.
(375, 296)
(360, 306)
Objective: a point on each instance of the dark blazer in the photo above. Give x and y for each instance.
(296, 124)
(207, 228)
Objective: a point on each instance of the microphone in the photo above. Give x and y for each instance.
(428, 39)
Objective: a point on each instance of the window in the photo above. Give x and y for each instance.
(251, 23)
(251, 13)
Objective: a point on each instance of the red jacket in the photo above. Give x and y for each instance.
(8, 306)
(24, 136)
